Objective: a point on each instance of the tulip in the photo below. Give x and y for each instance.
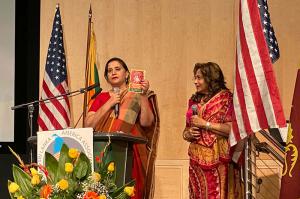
(129, 191)
(33, 171)
(69, 167)
(35, 180)
(96, 176)
(13, 187)
(73, 153)
(63, 184)
(111, 167)
(102, 197)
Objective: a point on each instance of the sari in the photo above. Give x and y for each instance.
(144, 155)
(211, 175)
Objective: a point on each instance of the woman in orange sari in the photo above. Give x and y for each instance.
(138, 115)
(208, 125)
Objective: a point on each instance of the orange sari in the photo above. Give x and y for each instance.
(128, 122)
(209, 176)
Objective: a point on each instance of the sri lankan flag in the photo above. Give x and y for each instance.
(91, 71)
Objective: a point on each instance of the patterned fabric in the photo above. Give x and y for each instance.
(143, 155)
(209, 155)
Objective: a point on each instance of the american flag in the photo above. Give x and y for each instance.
(268, 30)
(56, 113)
(256, 97)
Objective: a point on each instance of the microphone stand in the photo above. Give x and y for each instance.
(30, 106)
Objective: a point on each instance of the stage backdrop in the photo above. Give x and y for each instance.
(166, 38)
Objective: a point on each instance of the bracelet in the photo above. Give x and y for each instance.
(185, 137)
(208, 126)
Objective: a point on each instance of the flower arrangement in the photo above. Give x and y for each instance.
(69, 177)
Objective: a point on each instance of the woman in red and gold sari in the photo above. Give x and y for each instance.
(138, 115)
(208, 125)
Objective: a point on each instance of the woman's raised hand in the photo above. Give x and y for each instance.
(145, 86)
(115, 98)
(198, 121)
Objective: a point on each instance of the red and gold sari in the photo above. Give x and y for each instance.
(128, 122)
(209, 176)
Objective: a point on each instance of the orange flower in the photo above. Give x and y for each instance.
(46, 191)
(90, 195)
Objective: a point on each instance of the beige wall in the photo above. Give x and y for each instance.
(166, 37)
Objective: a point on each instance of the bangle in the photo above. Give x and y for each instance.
(208, 126)
(185, 136)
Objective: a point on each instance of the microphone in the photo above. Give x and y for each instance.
(195, 109)
(117, 106)
(83, 90)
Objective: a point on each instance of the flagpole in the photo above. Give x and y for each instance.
(87, 69)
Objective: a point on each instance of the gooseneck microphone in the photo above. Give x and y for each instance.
(82, 90)
(117, 106)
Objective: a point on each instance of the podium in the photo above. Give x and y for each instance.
(122, 151)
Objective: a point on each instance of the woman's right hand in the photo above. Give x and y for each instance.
(192, 133)
(115, 98)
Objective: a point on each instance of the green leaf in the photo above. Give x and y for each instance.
(80, 170)
(22, 179)
(63, 159)
(73, 185)
(85, 159)
(51, 166)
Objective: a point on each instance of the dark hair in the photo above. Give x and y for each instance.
(214, 78)
(120, 62)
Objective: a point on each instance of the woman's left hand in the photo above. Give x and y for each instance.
(145, 86)
(198, 121)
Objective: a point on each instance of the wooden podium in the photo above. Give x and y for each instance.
(121, 151)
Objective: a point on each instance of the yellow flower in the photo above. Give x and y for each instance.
(73, 153)
(129, 191)
(20, 197)
(33, 171)
(96, 176)
(102, 197)
(13, 187)
(63, 184)
(35, 180)
(69, 167)
(111, 167)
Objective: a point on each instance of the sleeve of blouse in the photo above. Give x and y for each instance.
(96, 103)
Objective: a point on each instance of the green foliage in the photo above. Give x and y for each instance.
(51, 165)
(22, 179)
(72, 184)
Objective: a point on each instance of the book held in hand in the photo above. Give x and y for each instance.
(136, 78)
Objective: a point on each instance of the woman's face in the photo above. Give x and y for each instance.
(200, 84)
(116, 74)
